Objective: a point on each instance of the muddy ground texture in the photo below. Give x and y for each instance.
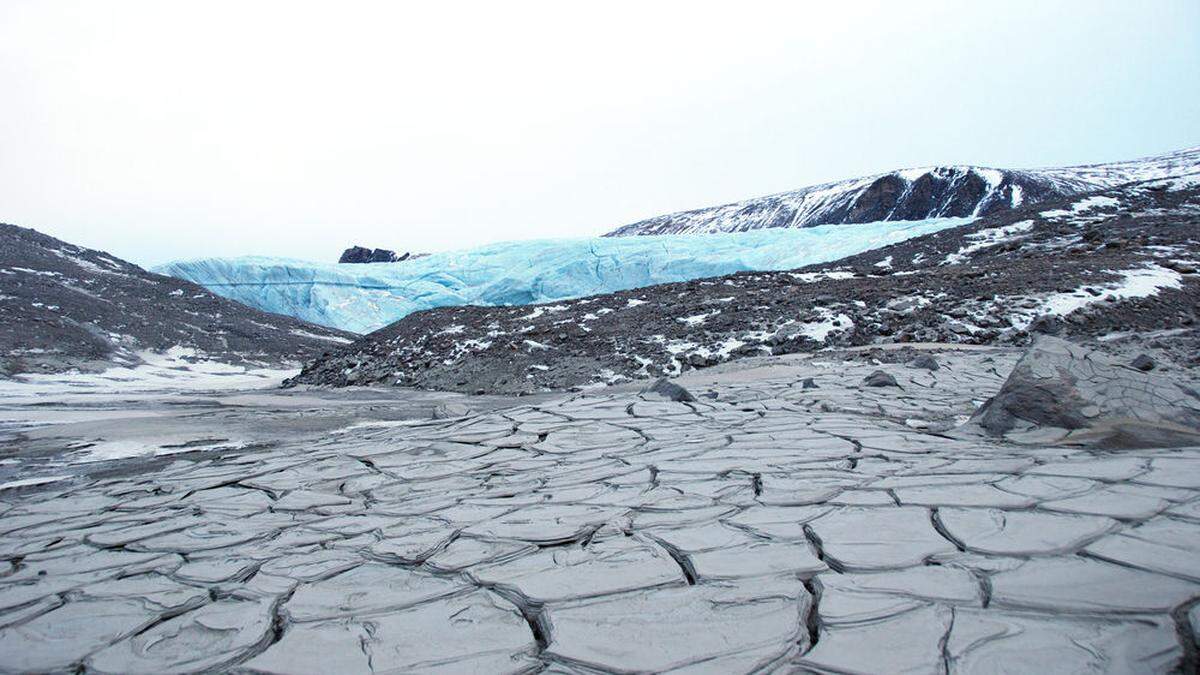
(799, 513)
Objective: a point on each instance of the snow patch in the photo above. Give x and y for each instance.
(819, 330)
(987, 238)
(1141, 282)
(26, 482)
(698, 319)
(1085, 204)
(328, 338)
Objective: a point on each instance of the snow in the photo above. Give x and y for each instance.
(364, 297)
(538, 311)
(986, 239)
(1096, 176)
(698, 319)
(107, 451)
(1085, 204)
(993, 176)
(809, 277)
(40, 273)
(177, 369)
(819, 330)
(26, 482)
(798, 208)
(1137, 283)
(327, 338)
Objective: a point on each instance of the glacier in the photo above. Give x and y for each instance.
(364, 297)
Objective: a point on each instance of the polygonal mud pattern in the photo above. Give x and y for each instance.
(771, 528)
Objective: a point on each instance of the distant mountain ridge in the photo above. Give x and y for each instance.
(914, 194)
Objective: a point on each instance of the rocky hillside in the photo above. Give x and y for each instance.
(914, 194)
(1122, 259)
(64, 306)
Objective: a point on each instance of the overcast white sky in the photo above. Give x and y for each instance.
(157, 130)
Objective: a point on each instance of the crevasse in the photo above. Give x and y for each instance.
(365, 297)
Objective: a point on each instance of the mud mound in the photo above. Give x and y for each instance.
(1061, 389)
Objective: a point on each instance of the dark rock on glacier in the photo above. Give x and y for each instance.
(1058, 386)
(361, 254)
(664, 388)
(1144, 363)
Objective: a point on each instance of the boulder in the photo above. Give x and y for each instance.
(668, 390)
(1061, 391)
(924, 361)
(1047, 324)
(880, 379)
(1144, 363)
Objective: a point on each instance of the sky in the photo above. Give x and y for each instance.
(165, 129)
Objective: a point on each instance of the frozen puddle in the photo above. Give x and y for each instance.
(107, 451)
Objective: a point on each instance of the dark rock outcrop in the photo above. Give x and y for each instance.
(362, 254)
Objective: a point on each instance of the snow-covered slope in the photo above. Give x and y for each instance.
(912, 194)
(364, 297)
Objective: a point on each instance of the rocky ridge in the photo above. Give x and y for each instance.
(913, 194)
(67, 307)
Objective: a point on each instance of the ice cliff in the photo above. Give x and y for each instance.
(362, 298)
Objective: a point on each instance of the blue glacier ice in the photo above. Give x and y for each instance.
(364, 297)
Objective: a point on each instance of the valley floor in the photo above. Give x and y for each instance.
(768, 526)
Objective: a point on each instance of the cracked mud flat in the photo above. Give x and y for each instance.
(764, 527)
